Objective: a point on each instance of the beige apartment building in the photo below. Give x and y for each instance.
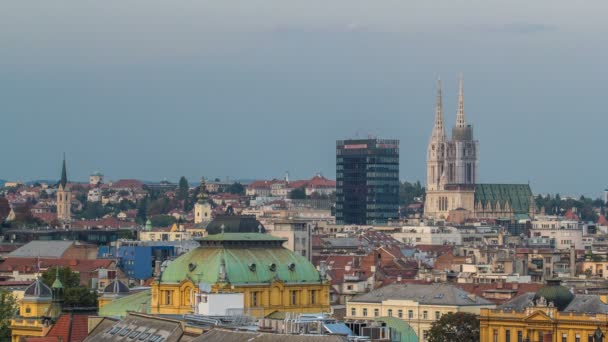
(417, 305)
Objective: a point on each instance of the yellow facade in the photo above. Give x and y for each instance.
(260, 299)
(174, 234)
(540, 324)
(419, 316)
(29, 322)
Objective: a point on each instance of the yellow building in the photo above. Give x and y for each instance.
(412, 308)
(238, 257)
(115, 290)
(38, 308)
(552, 314)
(175, 233)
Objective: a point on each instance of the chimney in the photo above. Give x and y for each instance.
(157, 268)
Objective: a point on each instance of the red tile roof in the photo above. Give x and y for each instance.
(127, 184)
(70, 328)
(29, 265)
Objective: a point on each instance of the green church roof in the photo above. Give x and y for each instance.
(249, 258)
(135, 302)
(517, 195)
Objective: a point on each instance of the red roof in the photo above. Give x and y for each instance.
(70, 328)
(601, 220)
(571, 215)
(29, 265)
(319, 181)
(46, 217)
(127, 184)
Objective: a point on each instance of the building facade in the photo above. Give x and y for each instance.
(367, 181)
(551, 314)
(413, 305)
(452, 175)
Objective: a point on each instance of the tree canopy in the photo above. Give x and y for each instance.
(74, 295)
(8, 307)
(455, 327)
(298, 193)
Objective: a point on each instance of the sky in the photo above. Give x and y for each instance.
(155, 89)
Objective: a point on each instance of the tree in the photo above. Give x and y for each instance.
(67, 277)
(142, 210)
(74, 295)
(298, 193)
(8, 307)
(455, 327)
(236, 188)
(182, 190)
(162, 220)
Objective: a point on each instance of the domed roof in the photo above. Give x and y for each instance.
(241, 258)
(38, 289)
(116, 287)
(556, 293)
(235, 224)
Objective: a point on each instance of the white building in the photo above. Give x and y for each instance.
(428, 235)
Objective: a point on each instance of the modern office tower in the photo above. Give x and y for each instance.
(367, 175)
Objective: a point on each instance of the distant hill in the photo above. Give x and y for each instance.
(2, 181)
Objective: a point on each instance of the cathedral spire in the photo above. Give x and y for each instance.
(64, 174)
(460, 121)
(438, 130)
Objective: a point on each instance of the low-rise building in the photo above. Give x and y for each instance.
(414, 305)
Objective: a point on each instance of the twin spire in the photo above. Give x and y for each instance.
(438, 129)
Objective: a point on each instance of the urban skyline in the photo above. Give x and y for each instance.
(367, 68)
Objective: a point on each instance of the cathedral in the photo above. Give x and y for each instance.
(452, 173)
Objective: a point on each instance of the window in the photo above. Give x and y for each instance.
(495, 336)
(437, 315)
(390, 312)
(577, 338)
(400, 313)
(508, 336)
(168, 297)
(28, 310)
(520, 336)
(425, 314)
(313, 297)
(294, 297)
(410, 314)
(376, 312)
(365, 312)
(353, 312)
(564, 337)
(254, 299)
(590, 338)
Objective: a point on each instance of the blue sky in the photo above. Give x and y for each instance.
(249, 89)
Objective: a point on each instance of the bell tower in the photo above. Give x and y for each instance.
(64, 196)
(437, 147)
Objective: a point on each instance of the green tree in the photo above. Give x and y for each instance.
(142, 210)
(455, 327)
(182, 190)
(67, 277)
(75, 295)
(162, 220)
(298, 193)
(8, 307)
(236, 188)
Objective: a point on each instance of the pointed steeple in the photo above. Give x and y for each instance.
(438, 129)
(460, 121)
(64, 174)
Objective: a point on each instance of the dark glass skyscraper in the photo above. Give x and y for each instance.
(367, 175)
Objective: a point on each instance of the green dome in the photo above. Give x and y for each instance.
(247, 259)
(235, 224)
(556, 293)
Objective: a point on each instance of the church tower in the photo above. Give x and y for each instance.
(465, 160)
(202, 208)
(437, 147)
(64, 196)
